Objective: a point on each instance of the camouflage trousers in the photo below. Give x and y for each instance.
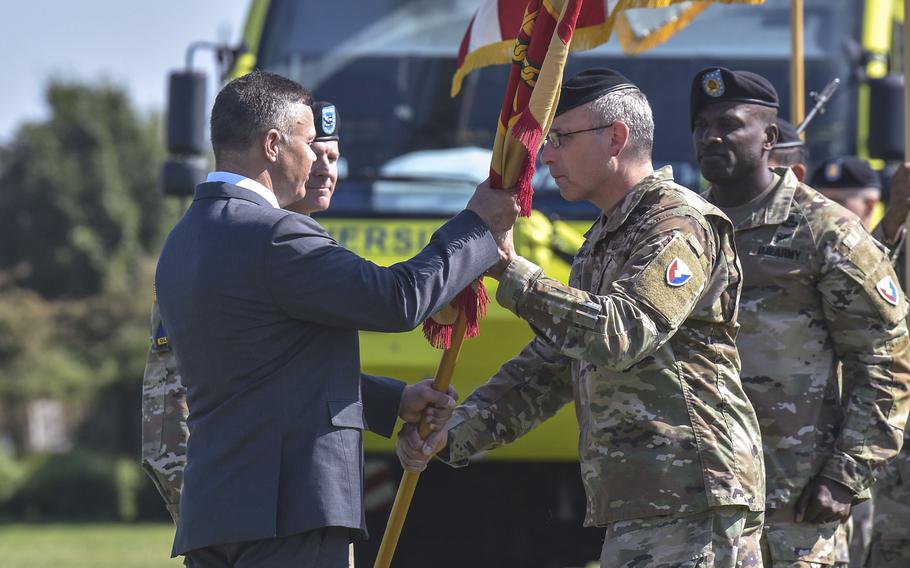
(890, 546)
(723, 537)
(787, 544)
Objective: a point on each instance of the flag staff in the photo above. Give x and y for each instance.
(409, 480)
(797, 64)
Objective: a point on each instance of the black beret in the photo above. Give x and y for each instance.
(589, 85)
(327, 121)
(720, 85)
(787, 136)
(846, 172)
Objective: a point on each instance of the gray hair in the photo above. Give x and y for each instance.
(629, 106)
(250, 105)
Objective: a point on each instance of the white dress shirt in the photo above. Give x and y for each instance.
(245, 183)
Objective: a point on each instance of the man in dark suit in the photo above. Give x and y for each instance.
(262, 308)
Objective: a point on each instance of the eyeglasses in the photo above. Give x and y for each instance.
(556, 139)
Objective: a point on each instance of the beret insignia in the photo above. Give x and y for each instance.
(713, 84)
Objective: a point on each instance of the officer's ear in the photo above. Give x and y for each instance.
(799, 170)
(270, 142)
(771, 136)
(620, 138)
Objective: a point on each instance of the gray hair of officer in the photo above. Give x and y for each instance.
(631, 107)
(249, 106)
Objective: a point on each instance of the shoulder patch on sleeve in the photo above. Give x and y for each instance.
(882, 288)
(672, 281)
(870, 268)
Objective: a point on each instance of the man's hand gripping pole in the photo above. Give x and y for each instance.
(409, 480)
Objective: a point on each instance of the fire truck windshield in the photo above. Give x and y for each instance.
(388, 66)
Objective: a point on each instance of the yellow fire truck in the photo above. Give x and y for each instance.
(412, 156)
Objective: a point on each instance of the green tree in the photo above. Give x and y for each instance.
(81, 224)
(78, 196)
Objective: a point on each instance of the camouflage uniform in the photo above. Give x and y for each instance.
(668, 438)
(164, 412)
(890, 546)
(810, 303)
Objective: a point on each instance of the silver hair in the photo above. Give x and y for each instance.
(631, 107)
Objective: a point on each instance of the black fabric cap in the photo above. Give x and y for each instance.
(787, 136)
(721, 85)
(327, 121)
(589, 85)
(845, 172)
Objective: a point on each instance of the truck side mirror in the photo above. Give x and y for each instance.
(181, 175)
(186, 113)
(886, 118)
(185, 136)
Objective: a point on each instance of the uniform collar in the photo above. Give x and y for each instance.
(614, 219)
(772, 207)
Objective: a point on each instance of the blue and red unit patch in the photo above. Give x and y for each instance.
(678, 273)
(887, 290)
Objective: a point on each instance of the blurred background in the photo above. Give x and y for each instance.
(81, 222)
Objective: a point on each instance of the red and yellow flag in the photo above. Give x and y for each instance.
(539, 52)
(493, 30)
(536, 36)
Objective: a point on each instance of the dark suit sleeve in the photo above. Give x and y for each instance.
(315, 279)
(381, 399)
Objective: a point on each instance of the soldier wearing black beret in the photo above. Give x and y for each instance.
(320, 186)
(852, 182)
(804, 314)
(671, 462)
(790, 151)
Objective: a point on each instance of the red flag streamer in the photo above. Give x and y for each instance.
(521, 122)
(538, 59)
(472, 301)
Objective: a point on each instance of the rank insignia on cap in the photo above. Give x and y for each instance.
(678, 273)
(832, 171)
(328, 119)
(887, 290)
(713, 84)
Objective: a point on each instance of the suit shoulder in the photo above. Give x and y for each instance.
(296, 223)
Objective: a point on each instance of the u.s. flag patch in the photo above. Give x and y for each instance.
(887, 290)
(678, 273)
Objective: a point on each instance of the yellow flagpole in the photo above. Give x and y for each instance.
(797, 64)
(409, 480)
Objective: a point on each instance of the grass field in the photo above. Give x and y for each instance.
(87, 546)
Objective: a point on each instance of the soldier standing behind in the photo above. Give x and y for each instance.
(890, 544)
(790, 151)
(850, 182)
(642, 340)
(818, 292)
